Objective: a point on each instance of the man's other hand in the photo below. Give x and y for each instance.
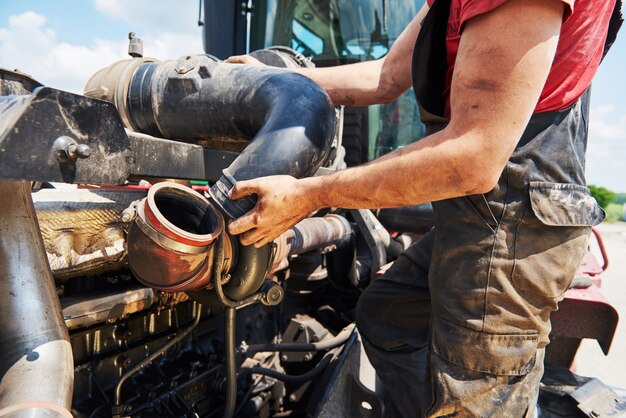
(243, 59)
(282, 201)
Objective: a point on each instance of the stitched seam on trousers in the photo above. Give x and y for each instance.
(479, 214)
(495, 221)
(515, 247)
(495, 240)
(508, 189)
(491, 257)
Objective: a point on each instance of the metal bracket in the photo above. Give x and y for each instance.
(369, 227)
(52, 135)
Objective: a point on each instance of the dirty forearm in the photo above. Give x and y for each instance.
(357, 84)
(444, 165)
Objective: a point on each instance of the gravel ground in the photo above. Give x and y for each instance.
(590, 361)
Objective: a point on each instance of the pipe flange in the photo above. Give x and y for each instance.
(112, 84)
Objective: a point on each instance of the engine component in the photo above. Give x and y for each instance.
(82, 231)
(418, 219)
(117, 393)
(170, 240)
(91, 311)
(303, 336)
(37, 372)
(310, 234)
(171, 245)
(196, 97)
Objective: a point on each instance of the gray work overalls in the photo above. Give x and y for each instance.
(458, 325)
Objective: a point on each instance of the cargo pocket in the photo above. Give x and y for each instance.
(496, 354)
(550, 240)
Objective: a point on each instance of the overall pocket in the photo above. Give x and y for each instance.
(496, 354)
(550, 240)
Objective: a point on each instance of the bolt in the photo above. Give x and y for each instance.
(129, 214)
(308, 356)
(75, 151)
(67, 149)
(284, 357)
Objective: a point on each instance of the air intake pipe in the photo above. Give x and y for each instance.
(288, 117)
(289, 120)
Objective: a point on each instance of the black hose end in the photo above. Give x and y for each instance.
(232, 208)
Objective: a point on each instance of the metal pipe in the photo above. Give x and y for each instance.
(231, 368)
(36, 363)
(117, 409)
(171, 241)
(310, 234)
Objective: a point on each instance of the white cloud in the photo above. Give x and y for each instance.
(154, 16)
(30, 46)
(606, 156)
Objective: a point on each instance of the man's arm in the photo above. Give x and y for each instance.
(502, 64)
(369, 82)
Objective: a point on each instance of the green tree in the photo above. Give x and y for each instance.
(603, 196)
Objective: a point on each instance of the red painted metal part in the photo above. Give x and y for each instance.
(585, 313)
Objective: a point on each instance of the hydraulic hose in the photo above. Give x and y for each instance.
(336, 341)
(36, 362)
(287, 378)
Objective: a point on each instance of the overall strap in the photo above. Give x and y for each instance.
(430, 63)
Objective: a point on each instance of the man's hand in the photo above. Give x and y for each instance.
(282, 202)
(244, 59)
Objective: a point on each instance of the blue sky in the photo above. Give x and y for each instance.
(62, 42)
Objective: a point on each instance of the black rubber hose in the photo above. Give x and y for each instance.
(336, 341)
(289, 118)
(310, 375)
(231, 370)
(418, 219)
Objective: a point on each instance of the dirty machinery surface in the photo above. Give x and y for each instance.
(127, 296)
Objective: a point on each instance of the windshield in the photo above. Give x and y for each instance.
(344, 30)
(333, 32)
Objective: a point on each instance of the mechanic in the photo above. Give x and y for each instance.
(459, 324)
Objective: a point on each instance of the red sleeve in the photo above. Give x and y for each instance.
(471, 8)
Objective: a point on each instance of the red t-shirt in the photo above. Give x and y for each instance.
(578, 53)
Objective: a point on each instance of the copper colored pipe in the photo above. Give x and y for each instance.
(170, 243)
